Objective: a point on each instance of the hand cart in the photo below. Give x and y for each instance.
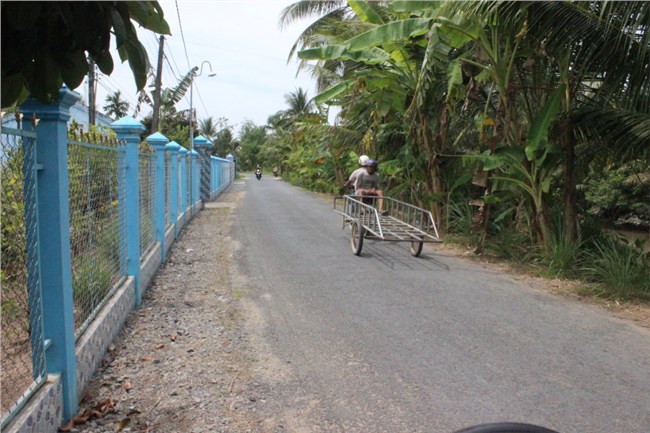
(398, 222)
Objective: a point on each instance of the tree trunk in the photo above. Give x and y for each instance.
(437, 188)
(570, 181)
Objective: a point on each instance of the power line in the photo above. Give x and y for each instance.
(170, 65)
(115, 87)
(207, 113)
(180, 25)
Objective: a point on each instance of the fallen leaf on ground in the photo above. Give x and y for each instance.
(146, 359)
(123, 423)
(133, 412)
(80, 419)
(68, 427)
(127, 386)
(160, 346)
(173, 337)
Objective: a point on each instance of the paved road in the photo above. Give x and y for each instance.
(389, 343)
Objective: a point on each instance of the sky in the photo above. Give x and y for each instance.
(245, 48)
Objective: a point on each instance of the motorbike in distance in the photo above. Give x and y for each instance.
(258, 173)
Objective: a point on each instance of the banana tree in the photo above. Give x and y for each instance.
(388, 56)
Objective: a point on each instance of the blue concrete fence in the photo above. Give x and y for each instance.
(86, 222)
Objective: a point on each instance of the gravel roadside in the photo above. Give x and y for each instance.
(182, 362)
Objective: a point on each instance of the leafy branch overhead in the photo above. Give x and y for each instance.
(47, 44)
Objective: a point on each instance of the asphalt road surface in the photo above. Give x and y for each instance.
(386, 342)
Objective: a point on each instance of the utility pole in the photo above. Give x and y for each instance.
(156, 92)
(91, 91)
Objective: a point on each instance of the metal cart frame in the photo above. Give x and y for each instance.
(398, 222)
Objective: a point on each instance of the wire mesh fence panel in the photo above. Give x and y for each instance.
(206, 172)
(168, 190)
(188, 180)
(147, 201)
(22, 362)
(179, 191)
(97, 225)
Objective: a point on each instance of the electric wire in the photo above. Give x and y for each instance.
(180, 25)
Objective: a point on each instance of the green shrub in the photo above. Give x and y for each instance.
(565, 255)
(514, 245)
(459, 217)
(622, 268)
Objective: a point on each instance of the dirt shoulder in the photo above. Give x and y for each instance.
(182, 362)
(573, 290)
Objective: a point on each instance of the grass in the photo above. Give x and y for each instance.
(620, 268)
(564, 257)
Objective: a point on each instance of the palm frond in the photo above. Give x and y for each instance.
(615, 133)
(308, 8)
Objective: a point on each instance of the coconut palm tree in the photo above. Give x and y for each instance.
(208, 128)
(116, 106)
(299, 103)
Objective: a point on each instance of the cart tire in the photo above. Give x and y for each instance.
(506, 427)
(416, 248)
(357, 234)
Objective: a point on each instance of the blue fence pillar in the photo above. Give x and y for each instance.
(172, 148)
(201, 146)
(54, 237)
(157, 141)
(196, 175)
(183, 167)
(129, 129)
(232, 168)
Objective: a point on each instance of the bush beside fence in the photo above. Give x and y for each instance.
(86, 221)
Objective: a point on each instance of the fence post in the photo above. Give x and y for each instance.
(195, 176)
(172, 148)
(183, 166)
(201, 146)
(232, 168)
(157, 141)
(212, 158)
(54, 237)
(129, 129)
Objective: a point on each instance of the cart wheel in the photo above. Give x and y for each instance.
(416, 248)
(357, 237)
(506, 427)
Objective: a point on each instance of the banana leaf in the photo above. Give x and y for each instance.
(537, 146)
(390, 33)
(334, 91)
(365, 12)
(341, 52)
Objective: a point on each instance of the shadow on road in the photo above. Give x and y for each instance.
(396, 256)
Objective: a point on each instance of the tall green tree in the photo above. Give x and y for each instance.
(299, 103)
(116, 106)
(224, 141)
(252, 139)
(208, 127)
